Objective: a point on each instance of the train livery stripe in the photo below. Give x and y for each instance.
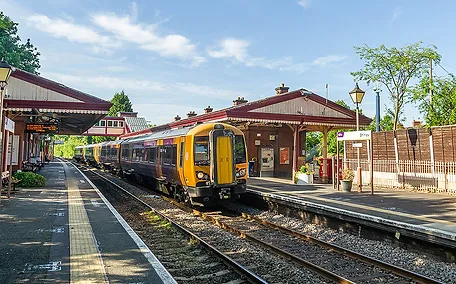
(224, 160)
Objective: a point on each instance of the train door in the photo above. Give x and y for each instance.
(267, 162)
(223, 167)
(158, 162)
(181, 159)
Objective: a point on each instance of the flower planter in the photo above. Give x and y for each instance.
(346, 185)
(304, 178)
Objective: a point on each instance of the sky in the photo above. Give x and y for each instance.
(171, 57)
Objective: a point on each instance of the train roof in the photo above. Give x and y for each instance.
(160, 135)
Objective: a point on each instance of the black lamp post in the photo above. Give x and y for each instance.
(357, 96)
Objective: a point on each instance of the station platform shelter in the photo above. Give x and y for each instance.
(275, 128)
(35, 108)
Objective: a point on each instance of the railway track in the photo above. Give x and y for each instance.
(186, 256)
(332, 262)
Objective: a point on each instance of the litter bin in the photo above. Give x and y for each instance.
(251, 167)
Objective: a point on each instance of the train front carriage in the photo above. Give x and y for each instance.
(218, 163)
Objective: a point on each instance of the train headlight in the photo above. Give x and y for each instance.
(240, 173)
(202, 176)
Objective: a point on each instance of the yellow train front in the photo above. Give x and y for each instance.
(203, 164)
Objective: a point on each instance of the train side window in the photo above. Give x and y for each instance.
(103, 151)
(167, 155)
(181, 155)
(173, 149)
(152, 155)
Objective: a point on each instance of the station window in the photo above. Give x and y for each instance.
(109, 123)
(102, 123)
(116, 123)
(121, 124)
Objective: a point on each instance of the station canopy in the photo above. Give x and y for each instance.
(46, 106)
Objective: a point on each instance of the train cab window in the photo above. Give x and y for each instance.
(239, 149)
(113, 152)
(202, 151)
(152, 155)
(181, 155)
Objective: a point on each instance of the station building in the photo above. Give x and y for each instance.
(34, 108)
(123, 123)
(275, 127)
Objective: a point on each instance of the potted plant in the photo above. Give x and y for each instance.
(347, 179)
(304, 175)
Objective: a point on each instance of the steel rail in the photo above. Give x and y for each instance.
(354, 255)
(300, 261)
(244, 272)
(395, 269)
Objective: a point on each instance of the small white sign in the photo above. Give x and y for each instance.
(257, 142)
(271, 137)
(9, 125)
(354, 135)
(357, 145)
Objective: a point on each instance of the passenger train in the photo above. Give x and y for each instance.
(202, 164)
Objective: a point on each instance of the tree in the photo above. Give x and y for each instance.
(394, 68)
(20, 55)
(120, 102)
(442, 111)
(66, 150)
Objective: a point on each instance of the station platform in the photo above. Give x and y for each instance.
(68, 232)
(424, 213)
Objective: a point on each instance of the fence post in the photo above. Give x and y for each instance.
(431, 152)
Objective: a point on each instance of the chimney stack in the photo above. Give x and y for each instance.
(208, 109)
(416, 124)
(177, 118)
(191, 114)
(239, 101)
(281, 89)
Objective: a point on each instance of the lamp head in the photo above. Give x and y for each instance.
(357, 94)
(5, 72)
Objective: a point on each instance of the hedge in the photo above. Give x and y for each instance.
(29, 179)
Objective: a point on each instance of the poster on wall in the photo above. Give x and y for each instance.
(15, 150)
(284, 155)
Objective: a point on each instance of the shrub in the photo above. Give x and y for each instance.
(29, 179)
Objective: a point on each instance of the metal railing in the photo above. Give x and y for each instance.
(417, 175)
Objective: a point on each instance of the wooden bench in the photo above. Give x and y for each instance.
(5, 180)
(30, 167)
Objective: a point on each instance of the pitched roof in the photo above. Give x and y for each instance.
(136, 123)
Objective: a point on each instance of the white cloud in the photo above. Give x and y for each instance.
(148, 38)
(236, 50)
(231, 48)
(322, 61)
(77, 33)
(304, 3)
(397, 12)
(145, 86)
